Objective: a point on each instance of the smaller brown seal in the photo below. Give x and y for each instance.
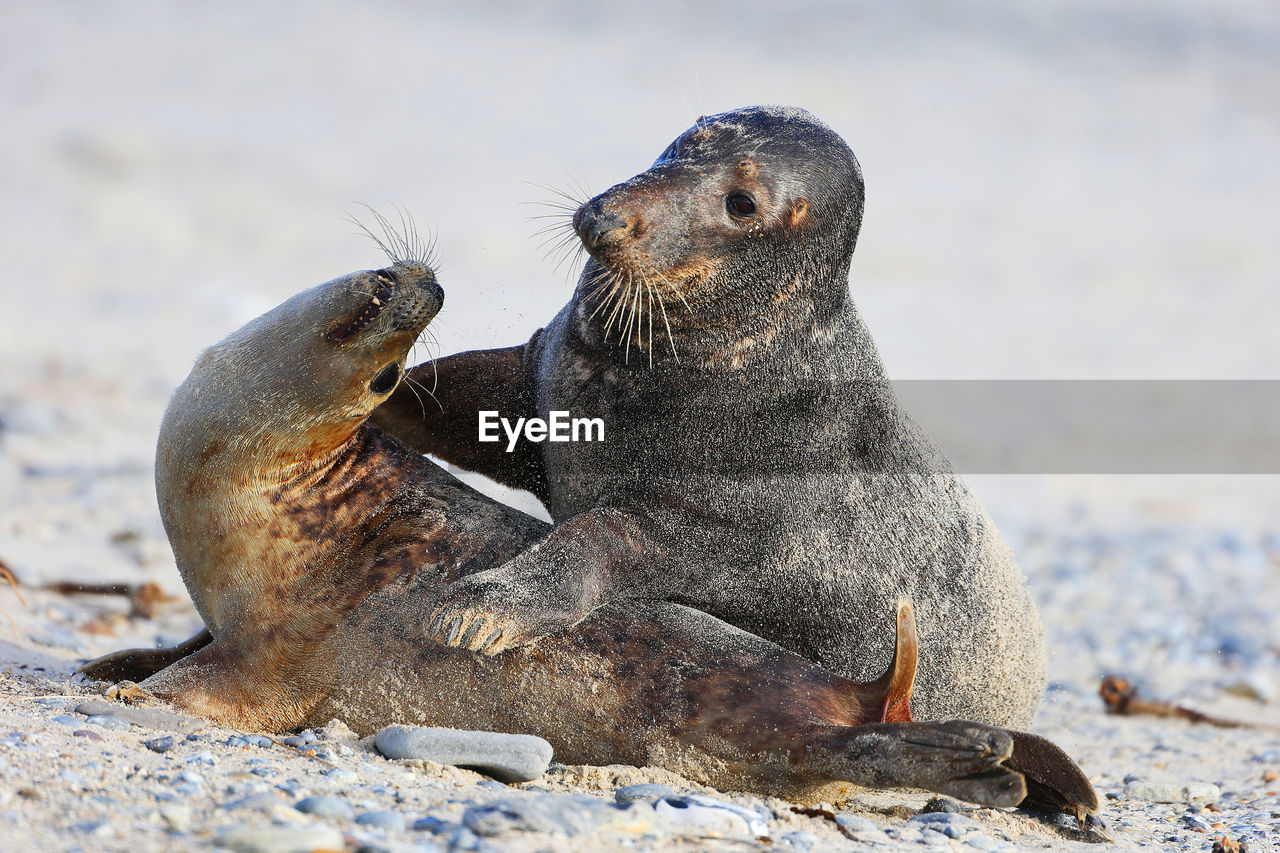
(315, 546)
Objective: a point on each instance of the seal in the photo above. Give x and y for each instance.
(314, 547)
(757, 465)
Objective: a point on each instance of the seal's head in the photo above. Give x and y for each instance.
(755, 209)
(298, 381)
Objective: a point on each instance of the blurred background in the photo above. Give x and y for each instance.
(1083, 189)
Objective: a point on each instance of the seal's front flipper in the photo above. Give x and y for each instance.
(138, 664)
(1054, 781)
(546, 589)
(463, 385)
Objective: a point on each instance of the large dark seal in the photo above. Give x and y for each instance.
(314, 546)
(756, 465)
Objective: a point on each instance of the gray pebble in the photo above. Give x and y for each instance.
(159, 744)
(279, 839)
(268, 803)
(108, 723)
(552, 813)
(802, 840)
(148, 718)
(982, 842)
(85, 733)
(434, 825)
(295, 741)
(510, 758)
(941, 804)
(64, 720)
(1195, 821)
(385, 820)
(708, 812)
(857, 825)
(236, 741)
(205, 758)
(341, 774)
(1171, 792)
(52, 702)
(323, 805)
(260, 741)
(949, 824)
(646, 792)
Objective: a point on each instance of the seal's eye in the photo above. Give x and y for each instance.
(740, 204)
(386, 379)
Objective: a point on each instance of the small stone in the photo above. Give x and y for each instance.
(434, 825)
(267, 803)
(94, 736)
(235, 741)
(557, 814)
(708, 815)
(323, 805)
(296, 742)
(1196, 822)
(801, 840)
(644, 793)
(106, 722)
(949, 824)
(982, 842)
(1167, 792)
(279, 839)
(855, 824)
(176, 816)
(387, 821)
(940, 805)
(159, 744)
(147, 718)
(65, 720)
(1254, 685)
(1132, 778)
(259, 741)
(510, 758)
(340, 774)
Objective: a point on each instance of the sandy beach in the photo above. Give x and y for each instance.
(1077, 190)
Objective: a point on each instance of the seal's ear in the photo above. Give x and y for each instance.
(799, 213)
(892, 691)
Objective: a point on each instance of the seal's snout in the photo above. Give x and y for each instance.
(596, 227)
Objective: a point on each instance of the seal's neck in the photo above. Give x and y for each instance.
(258, 533)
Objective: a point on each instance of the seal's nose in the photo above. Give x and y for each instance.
(595, 227)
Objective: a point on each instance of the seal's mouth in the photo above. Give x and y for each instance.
(378, 301)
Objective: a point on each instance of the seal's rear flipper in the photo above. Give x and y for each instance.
(888, 698)
(958, 758)
(1054, 781)
(139, 664)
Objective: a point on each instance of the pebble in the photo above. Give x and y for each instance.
(94, 736)
(645, 792)
(385, 820)
(267, 803)
(802, 840)
(279, 839)
(147, 718)
(860, 828)
(434, 825)
(64, 720)
(571, 814)
(341, 774)
(948, 823)
(710, 814)
(510, 758)
(113, 723)
(323, 805)
(159, 744)
(1198, 793)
